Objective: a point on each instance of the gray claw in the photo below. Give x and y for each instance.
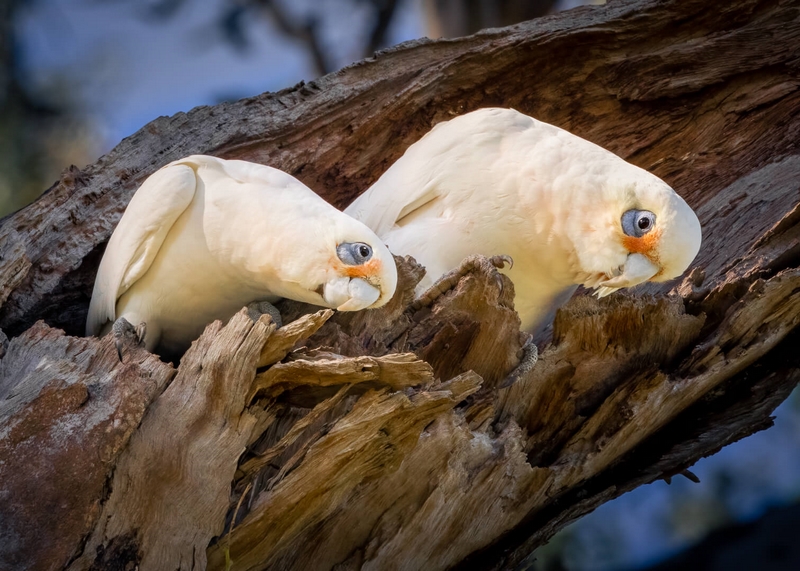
(259, 308)
(529, 357)
(498, 279)
(123, 328)
(141, 331)
(502, 261)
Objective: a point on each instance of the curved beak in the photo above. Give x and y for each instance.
(362, 295)
(637, 269)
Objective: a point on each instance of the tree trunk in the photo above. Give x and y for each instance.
(380, 439)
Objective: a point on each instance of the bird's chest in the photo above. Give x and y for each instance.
(188, 286)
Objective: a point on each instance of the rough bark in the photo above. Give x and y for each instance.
(380, 439)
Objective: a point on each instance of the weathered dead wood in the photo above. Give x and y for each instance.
(169, 489)
(287, 337)
(366, 444)
(68, 408)
(307, 429)
(396, 371)
(471, 326)
(454, 472)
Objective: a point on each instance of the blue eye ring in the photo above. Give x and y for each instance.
(354, 253)
(637, 223)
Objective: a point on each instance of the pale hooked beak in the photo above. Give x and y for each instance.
(637, 269)
(347, 294)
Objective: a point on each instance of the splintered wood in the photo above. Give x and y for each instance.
(381, 439)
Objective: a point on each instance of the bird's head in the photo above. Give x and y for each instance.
(647, 232)
(361, 271)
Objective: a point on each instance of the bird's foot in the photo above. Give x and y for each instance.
(530, 354)
(259, 308)
(449, 280)
(122, 330)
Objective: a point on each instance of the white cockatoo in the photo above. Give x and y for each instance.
(567, 211)
(203, 236)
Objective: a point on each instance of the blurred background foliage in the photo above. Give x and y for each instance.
(76, 76)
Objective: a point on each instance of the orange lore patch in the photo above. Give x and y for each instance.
(370, 269)
(644, 245)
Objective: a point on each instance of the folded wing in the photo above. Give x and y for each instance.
(133, 246)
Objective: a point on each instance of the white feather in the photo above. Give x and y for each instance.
(138, 238)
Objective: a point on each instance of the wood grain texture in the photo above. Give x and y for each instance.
(169, 493)
(380, 439)
(68, 409)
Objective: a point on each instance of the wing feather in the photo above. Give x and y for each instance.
(141, 231)
(439, 164)
(401, 191)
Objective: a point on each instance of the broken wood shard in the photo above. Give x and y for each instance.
(288, 336)
(467, 324)
(301, 432)
(396, 371)
(367, 443)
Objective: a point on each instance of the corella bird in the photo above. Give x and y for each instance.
(203, 236)
(567, 211)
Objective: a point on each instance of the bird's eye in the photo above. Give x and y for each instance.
(637, 223)
(354, 253)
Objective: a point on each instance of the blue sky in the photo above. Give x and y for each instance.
(124, 69)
